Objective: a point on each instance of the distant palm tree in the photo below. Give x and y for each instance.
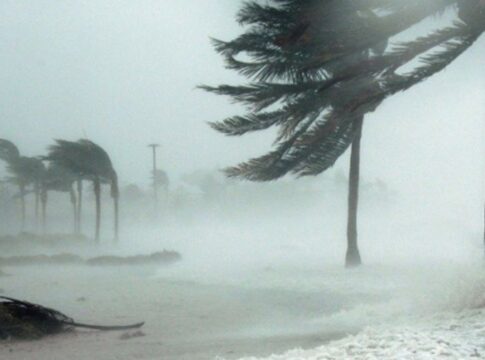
(161, 180)
(24, 171)
(91, 162)
(58, 178)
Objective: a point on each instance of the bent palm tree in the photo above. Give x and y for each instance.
(24, 171)
(10, 154)
(318, 67)
(89, 161)
(102, 169)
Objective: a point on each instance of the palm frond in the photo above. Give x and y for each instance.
(317, 67)
(8, 150)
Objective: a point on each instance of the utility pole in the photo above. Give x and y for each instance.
(154, 157)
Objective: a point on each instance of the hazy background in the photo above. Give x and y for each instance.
(257, 259)
(124, 73)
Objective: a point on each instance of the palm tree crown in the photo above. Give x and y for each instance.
(316, 67)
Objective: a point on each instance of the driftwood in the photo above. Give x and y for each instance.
(24, 320)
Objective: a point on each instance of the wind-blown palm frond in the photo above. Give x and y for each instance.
(8, 150)
(59, 178)
(24, 171)
(87, 160)
(29, 169)
(82, 157)
(317, 67)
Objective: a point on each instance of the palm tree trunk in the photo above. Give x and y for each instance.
(115, 194)
(79, 206)
(116, 210)
(72, 195)
(43, 200)
(97, 194)
(37, 197)
(22, 206)
(352, 258)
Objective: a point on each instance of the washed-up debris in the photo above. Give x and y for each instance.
(24, 320)
(161, 257)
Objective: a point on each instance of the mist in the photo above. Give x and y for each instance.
(261, 267)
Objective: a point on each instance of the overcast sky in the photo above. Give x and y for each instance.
(123, 73)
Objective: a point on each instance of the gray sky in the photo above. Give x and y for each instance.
(123, 73)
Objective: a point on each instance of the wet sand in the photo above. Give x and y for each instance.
(184, 319)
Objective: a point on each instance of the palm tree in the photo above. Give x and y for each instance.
(102, 170)
(318, 67)
(91, 162)
(79, 187)
(10, 154)
(60, 179)
(24, 171)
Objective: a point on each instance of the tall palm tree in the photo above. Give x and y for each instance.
(103, 171)
(91, 162)
(24, 171)
(316, 68)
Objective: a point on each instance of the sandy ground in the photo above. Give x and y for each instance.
(184, 319)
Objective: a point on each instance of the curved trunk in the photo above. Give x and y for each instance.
(79, 206)
(97, 194)
(72, 195)
(352, 258)
(43, 200)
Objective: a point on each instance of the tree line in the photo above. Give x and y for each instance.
(67, 165)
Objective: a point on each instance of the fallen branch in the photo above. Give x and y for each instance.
(25, 320)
